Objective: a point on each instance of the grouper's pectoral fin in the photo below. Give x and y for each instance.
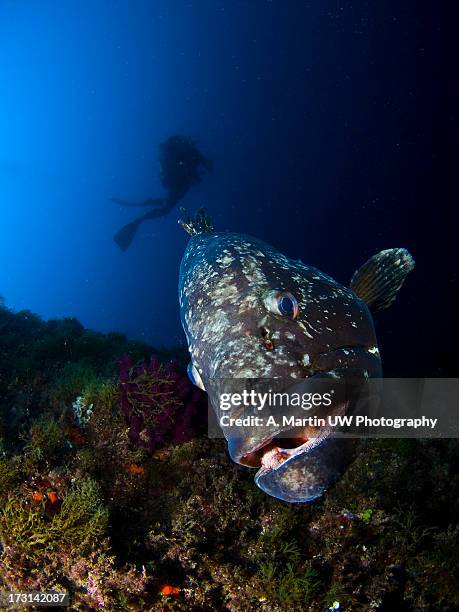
(379, 280)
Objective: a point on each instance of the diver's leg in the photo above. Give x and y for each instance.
(147, 202)
(126, 234)
(158, 212)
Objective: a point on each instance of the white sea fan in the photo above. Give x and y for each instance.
(82, 411)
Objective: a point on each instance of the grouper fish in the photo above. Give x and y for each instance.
(250, 312)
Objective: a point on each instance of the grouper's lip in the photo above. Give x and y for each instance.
(305, 476)
(276, 456)
(274, 451)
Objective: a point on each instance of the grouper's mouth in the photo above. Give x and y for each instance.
(298, 464)
(270, 453)
(303, 474)
(300, 468)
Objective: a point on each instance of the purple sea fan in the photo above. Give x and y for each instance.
(159, 404)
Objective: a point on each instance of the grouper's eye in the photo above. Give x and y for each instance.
(194, 376)
(282, 303)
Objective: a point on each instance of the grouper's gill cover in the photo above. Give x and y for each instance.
(230, 291)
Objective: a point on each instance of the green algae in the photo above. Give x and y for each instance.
(45, 442)
(81, 519)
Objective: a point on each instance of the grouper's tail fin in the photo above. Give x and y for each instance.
(379, 280)
(201, 224)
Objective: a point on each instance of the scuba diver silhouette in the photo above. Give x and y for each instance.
(180, 162)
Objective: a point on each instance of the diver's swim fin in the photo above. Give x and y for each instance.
(379, 280)
(126, 234)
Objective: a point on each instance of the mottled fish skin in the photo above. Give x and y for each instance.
(223, 280)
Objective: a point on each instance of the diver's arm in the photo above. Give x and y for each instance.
(147, 202)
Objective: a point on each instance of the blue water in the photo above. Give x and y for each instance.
(326, 123)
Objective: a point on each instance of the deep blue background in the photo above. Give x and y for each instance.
(329, 125)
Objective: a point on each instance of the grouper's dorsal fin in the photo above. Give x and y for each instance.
(379, 280)
(201, 224)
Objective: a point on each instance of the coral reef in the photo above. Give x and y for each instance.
(109, 491)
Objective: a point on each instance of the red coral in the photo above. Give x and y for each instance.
(159, 404)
